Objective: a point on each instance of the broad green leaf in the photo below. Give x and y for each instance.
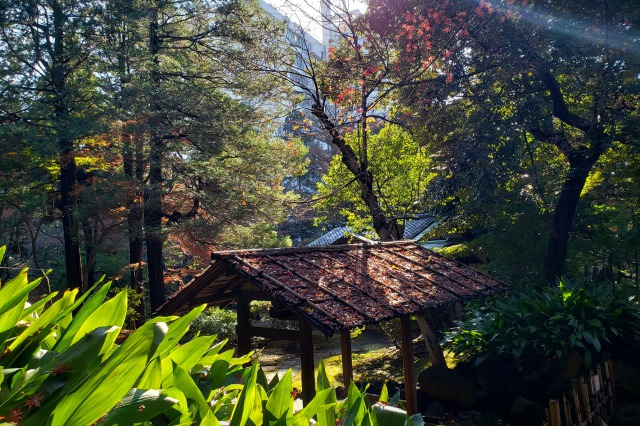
(152, 376)
(3, 249)
(262, 379)
(210, 420)
(244, 406)
(183, 381)
(15, 290)
(178, 395)
(139, 405)
(388, 415)
(384, 394)
(44, 323)
(415, 420)
(355, 413)
(274, 381)
(212, 352)
(112, 312)
(90, 306)
(8, 321)
(109, 383)
(326, 416)
(35, 308)
(316, 404)
(76, 359)
(322, 381)
(177, 329)
(219, 369)
(280, 403)
(186, 356)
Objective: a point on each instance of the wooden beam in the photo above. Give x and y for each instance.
(243, 329)
(347, 360)
(274, 333)
(306, 361)
(408, 366)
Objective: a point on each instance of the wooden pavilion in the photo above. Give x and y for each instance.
(334, 289)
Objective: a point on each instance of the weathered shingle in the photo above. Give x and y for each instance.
(338, 287)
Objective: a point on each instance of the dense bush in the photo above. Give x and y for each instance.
(60, 365)
(216, 322)
(548, 322)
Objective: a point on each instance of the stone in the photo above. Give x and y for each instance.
(447, 385)
(571, 365)
(435, 410)
(628, 416)
(527, 411)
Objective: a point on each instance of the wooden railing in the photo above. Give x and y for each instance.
(591, 400)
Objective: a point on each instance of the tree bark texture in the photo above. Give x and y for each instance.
(153, 195)
(564, 215)
(387, 230)
(134, 170)
(68, 191)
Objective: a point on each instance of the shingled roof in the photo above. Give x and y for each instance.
(340, 287)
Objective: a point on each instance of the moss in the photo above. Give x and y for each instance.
(379, 366)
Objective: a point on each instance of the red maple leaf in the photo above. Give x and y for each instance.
(34, 401)
(14, 416)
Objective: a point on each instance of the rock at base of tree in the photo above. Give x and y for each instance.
(571, 365)
(628, 416)
(447, 385)
(435, 410)
(526, 411)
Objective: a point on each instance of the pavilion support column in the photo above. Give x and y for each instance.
(243, 329)
(347, 360)
(408, 366)
(306, 361)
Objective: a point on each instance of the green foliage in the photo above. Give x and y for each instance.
(216, 321)
(401, 170)
(547, 322)
(60, 365)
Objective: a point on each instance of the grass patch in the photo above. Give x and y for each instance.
(379, 366)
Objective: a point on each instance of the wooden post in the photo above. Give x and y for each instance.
(306, 360)
(244, 325)
(347, 362)
(608, 368)
(554, 411)
(408, 366)
(567, 409)
(575, 387)
(585, 399)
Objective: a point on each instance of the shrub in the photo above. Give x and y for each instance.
(216, 322)
(548, 322)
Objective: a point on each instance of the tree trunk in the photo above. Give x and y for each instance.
(153, 195)
(564, 215)
(436, 355)
(387, 230)
(134, 171)
(89, 252)
(68, 192)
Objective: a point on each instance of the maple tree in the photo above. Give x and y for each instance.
(569, 74)
(365, 77)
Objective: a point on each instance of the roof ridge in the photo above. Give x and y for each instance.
(284, 250)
